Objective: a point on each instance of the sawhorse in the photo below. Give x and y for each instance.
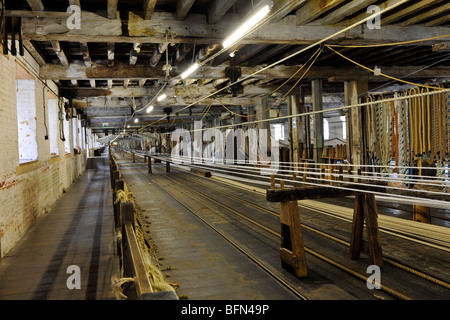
(292, 251)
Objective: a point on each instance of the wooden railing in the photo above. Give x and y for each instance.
(131, 259)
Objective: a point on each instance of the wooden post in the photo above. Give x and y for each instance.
(167, 166)
(127, 213)
(366, 210)
(134, 157)
(119, 185)
(421, 214)
(292, 251)
(115, 176)
(357, 228)
(149, 164)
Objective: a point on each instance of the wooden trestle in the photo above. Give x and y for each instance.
(292, 252)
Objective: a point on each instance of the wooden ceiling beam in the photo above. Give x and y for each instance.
(183, 7)
(347, 10)
(112, 9)
(195, 29)
(426, 15)
(149, 7)
(392, 18)
(36, 5)
(60, 53)
(111, 48)
(85, 51)
(135, 53)
(217, 9)
(123, 72)
(313, 9)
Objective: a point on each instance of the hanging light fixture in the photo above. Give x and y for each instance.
(247, 26)
(194, 67)
(161, 97)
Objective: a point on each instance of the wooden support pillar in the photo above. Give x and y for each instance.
(149, 159)
(318, 119)
(348, 122)
(421, 214)
(134, 157)
(127, 213)
(366, 210)
(167, 166)
(292, 252)
(119, 185)
(115, 176)
(295, 131)
(357, 88)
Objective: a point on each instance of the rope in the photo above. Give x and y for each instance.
(377, 72)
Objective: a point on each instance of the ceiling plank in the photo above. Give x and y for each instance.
(36, 5)
(183, 7)
(313, 9)
(218, 8)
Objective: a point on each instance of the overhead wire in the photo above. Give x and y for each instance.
(319, 42)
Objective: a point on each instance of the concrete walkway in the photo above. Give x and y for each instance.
(79, 231)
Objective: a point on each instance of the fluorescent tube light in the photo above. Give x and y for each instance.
(244, 28)
(136, 120)
(161, 97)
(185, 74)
(149, 109)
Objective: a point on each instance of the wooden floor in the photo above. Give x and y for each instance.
(78, 231)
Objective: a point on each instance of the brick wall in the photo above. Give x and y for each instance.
(28, 191)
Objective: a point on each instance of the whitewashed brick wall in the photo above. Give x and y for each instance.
(28, 191)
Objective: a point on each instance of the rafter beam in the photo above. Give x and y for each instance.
(60, 53)
(218, 8)
(111, 48)
(135, 52)
(183, 7)
(149, 7)
(426, 15)
(75, 3)
(407, 11)
(313, 9)
(85, 51)
(36, 5)
(347, 10)
(112, 9)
